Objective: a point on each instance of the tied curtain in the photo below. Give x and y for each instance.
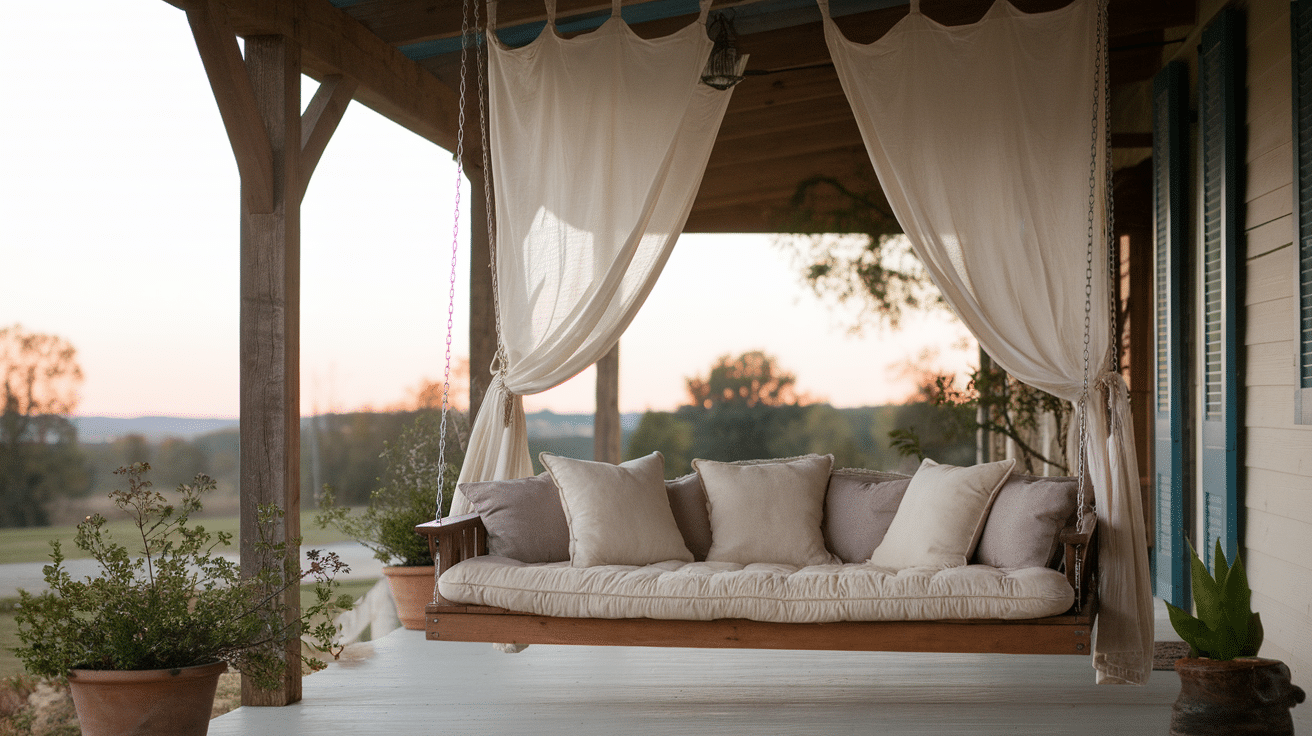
(983, 137)
(598, 144)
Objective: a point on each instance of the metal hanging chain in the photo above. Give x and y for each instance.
(1101, 98)
(455, 244)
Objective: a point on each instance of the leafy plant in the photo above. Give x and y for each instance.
(406, 498)
(174, 601)
(1226, 626)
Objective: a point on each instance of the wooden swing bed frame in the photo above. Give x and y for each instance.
(463, 537)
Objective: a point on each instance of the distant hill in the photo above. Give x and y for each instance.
(543, 424)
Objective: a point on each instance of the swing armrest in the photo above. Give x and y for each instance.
(1081, 543)
(454, 539)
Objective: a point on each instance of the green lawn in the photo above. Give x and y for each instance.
(33, 544)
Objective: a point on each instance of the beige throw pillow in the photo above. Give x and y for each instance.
(941, 516)
(767, 512)
(617, 514)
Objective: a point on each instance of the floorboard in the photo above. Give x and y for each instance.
(402, 684)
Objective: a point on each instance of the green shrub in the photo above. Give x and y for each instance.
(1226, 626)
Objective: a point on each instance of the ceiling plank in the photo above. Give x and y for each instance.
(333, 43)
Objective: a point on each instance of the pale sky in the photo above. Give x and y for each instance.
(118, 232)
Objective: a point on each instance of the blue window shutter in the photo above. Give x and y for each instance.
(1300, 23)
(1219, 85)
(1170, 389)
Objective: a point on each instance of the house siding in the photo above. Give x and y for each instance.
(1277, 453)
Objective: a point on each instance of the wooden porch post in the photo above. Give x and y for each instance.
(482, 317)
(607, 436)
(259, 100)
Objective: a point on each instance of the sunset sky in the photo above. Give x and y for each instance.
(118, 227)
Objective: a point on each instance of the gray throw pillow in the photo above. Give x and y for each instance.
(859, 506)
(1027, 515)
(524, 518)
(688, 502)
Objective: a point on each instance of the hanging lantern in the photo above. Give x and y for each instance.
(725, 67)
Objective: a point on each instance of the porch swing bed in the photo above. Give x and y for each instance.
(1003, 189)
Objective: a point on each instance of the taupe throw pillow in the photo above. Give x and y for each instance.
(769, 512)
(1027, 515)
(523, 517)
(859, 507)
(617, 514)
(688, 502)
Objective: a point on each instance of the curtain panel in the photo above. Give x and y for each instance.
(989, 141)
(599, 143)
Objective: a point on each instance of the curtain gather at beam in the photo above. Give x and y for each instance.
(983, 137)
(598, 143)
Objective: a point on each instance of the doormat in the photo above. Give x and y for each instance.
(1166, 652)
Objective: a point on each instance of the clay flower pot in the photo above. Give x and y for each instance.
(412, 589)
(1250, 695)
(145, 702)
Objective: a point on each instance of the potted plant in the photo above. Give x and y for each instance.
(143, 642)
(1225, 688)
(406, 497)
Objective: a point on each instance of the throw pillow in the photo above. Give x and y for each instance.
(617, 514)
(688, 502)
(523, 517)
(941, 516)
(859, 506)
(1022, 528)
(768, 512)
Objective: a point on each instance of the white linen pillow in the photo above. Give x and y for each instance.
(768, 512)
(941, 516)
(617, 514)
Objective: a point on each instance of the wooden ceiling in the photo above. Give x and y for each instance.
(788, 121)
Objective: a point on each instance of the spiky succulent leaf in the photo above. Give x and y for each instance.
(1235, 599)
(1207, 593)
(1220, 567)
(1255, 636)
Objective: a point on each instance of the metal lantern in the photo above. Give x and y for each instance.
(724, 68)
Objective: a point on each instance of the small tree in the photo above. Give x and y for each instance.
(751, 379)
(39, 379)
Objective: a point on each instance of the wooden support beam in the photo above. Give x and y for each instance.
(269, 399)
(217, 44)
(607, 435)
(319, 122)
(482, 317)
(332, 42)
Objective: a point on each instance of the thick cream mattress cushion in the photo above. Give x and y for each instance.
(941, 516)
(617, 514)
(762, 592)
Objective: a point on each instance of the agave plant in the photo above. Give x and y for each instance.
(1226, 626)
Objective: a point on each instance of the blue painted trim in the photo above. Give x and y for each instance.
(756, 17)
(1220, 83)
(1171, 327)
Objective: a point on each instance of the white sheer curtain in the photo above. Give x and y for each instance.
(983, 137)
(599, 144)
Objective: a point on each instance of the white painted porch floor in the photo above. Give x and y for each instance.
(411, 686)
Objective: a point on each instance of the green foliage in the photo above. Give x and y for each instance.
(669, 433)
(948, 417)
(851, 248)
(1226, 626)
(407, 496)
(174, 601)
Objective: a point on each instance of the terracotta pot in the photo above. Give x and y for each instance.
(145, 702)
(412, 589)
(1239, 696)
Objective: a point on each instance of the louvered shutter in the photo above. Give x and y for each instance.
(1301, 26)
(1170, 390)
(1219, 81)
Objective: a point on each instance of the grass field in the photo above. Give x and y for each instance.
(33, 544)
